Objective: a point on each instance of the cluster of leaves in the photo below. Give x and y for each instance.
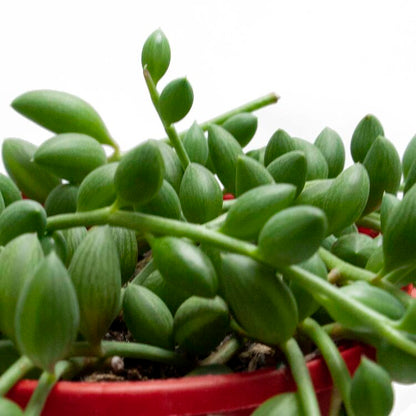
(282, 259)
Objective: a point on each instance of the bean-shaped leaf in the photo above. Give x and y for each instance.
(73, 237)
(175, 100)
(18, 260)
(257, 154)
(200, 324)
(147, 317)
(71, 156)
(409, 156)
(173, 167)
(55, 242)
(2, 204)
(20, 217)
(32, 179)
(156, 55)
(292, 235)
(97, 190)
(61, 112)
(330, 144)
(366, 132)
(250, 174)
(9, 408)
(9, 191)
(255, 207)
(127, 249)
(200, 194)
(283, 404)
(139, 174)
(388, 203)
(261, 303)
(47, 314)
(224, 151)
(242, 126)
(290, 168)
(279, 144)
(382, 163)
(95, 272)
(62, 199)
(410, 178)
(196, 144)
(184, 265)
(317, 167)
(371, 390)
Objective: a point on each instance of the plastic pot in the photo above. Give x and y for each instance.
(209, 395)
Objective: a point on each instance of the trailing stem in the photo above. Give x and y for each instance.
(14, 373)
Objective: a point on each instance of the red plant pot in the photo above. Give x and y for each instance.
(231, 394)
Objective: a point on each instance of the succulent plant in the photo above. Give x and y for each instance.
(280, 263)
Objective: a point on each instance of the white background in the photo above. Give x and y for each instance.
(331, 62)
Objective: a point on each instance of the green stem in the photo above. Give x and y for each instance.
(323, 292)
(224, 352)
(14, 373)
(336, 365)
(130, 350)
(170, 129)
(245, 108)
(300, 372)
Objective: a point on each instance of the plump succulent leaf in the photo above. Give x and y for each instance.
(250, 174)
(410, 178)
(97, 190)
(242, 126)
(283, 404)
(371, 390)
(156, 55)
(200, 324)
(292, 235)
(257, 154)
(47, 314)
(279, 144)
(147, 317)
(175, 100)
(388, 203)
(9, 408)
(73, 237)
(255, 207)
(330, 144)
(55, 242)
(185, 265)
(32, 179)
(70, 156)
(200, 194)
(260, 302)
(196, 144)
(224, 150)
(95, 272)
(173, 167)
(366, 132)
(139, 174)
(9, 191)
(62, 199)
(20, 217)
(61, 112)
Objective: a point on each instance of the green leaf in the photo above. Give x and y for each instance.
(409, 157)
(139, 174)
(224, 151)
(292, 235)
(250, 174)
(279, 144)
(382, 163)
(147, 317)
(260, 302)
(355, 249)
(97, 190)
(95, 272)
(20, 217)
(156, 55)
(175, 101)
(62, 200)
(286, 404)
(32, 179)
(173, 167)
(366, 132)
(71, 156)
(55, 242)
(47, 314)
(200, 194)
(330, 144)
(18, 260)
(184, 265)
(375, 262)
(61, 112)
(127, 249)
(165, 203)
(371, 390)
(290, 168)
(255, 207)
(9, 408)
(9, 191)
(410, 178)
(196, 144)
(200, 324)
(257, 154)
(73, 237)
(388, 203)
(242, 126)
